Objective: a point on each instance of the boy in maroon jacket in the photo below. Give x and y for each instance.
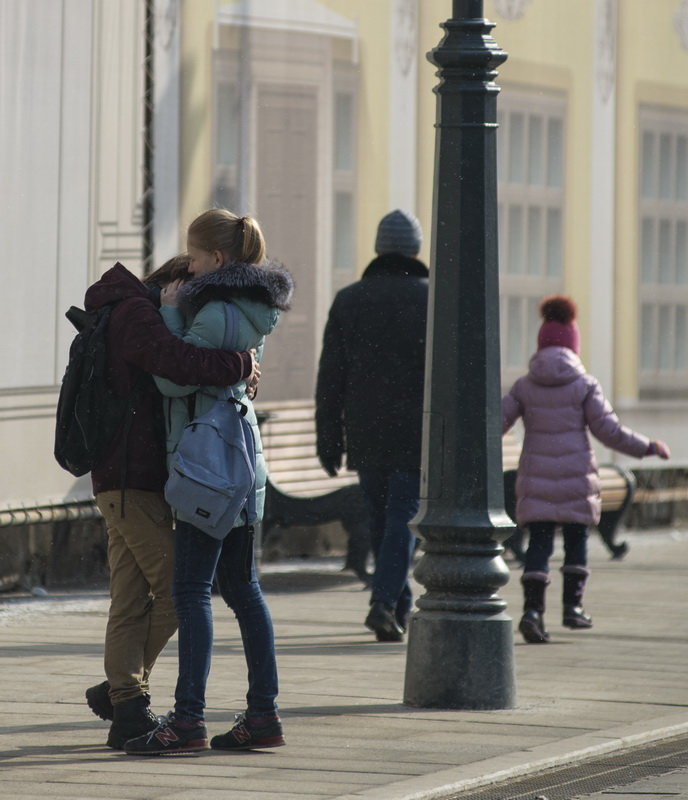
(128, 487)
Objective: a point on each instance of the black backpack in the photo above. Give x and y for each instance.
(89, 413)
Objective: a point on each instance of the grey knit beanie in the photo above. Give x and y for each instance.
(398, 232)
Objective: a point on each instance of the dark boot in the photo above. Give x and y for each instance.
(532, 624)
(98, 699)
(130, 719)
(574, 586)
(402, 618)
(383, 623)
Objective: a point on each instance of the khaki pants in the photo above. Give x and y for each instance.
(142, 617)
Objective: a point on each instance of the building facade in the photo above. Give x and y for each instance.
(317, 117)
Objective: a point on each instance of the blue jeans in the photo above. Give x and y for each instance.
(541, 545)
(198, 558)
(392, 499)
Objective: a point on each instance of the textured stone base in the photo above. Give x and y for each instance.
(460, 661)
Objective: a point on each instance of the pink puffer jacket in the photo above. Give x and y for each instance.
(557, 477)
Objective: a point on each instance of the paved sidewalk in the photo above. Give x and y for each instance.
(348, 735)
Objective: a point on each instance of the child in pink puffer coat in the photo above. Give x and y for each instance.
(557, 482)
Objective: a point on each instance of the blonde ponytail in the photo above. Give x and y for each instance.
(237, 238)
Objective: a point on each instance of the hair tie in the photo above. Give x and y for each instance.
(241, 221)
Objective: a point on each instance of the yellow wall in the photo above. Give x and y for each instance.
(432, 13)
(552, 47)
(549, 47)
(373, 132)
(196, 109)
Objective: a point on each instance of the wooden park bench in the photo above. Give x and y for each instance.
(300, 493)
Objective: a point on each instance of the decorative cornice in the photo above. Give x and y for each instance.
(511, 9)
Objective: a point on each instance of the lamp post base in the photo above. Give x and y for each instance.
(460, 661)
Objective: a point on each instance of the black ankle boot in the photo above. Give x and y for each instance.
(130, 719)
(574, 586)
(532, 624)
(576, 618)
(532, 628)
(383, 623)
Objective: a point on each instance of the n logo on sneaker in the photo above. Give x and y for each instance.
(166, 736)
(241, 734)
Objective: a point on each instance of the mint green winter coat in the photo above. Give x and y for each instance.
(259, 293)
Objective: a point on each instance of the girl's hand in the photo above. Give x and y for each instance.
(662, 450)
(659, 448)
(170, 293)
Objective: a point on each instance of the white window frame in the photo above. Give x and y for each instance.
(531, 194)
(662, 253)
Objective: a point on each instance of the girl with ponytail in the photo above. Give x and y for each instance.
(557, 482)
(231, 284)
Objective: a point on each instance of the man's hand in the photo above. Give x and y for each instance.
(331, 464)
(170, 293)
(254, 377)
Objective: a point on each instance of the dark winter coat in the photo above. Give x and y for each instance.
(139, 343)
(258, 294)
(369, 396)
(559, 402)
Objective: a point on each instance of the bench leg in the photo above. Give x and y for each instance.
(607, 526)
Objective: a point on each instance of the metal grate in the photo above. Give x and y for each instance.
(592, 775)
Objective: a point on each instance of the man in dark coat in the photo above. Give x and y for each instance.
(128, 487)
(369, 405)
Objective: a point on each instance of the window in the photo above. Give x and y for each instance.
(663, 253)
(530, 144)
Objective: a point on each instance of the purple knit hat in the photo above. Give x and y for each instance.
(559, 328)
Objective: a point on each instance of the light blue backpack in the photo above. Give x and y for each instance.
(212, 474)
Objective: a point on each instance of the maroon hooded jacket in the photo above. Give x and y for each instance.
(140, 343)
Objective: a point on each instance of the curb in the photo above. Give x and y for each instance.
(447, 783)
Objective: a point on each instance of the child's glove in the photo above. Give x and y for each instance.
(658, 448)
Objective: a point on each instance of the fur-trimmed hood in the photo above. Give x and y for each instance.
(270, 284)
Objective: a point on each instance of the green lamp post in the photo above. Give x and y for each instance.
(460, 646)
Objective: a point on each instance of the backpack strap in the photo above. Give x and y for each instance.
(191, 405)
(224, 392)
(231, 326)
